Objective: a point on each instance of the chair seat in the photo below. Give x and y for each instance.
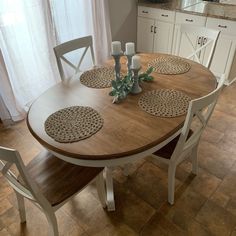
(57, 179)
(167, 151)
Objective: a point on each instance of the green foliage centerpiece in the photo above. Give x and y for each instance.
(121, 88)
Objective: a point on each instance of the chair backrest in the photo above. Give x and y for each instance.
(200, 40)
(62, 49)
(199, 112)
(28, 188)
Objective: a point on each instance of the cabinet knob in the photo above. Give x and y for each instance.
(164, 15)
(145, 12)
(204, 41)
(189, 20)
(222, 26)
(199, 42)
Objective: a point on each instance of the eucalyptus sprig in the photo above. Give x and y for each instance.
(146, 75)
(122, 87)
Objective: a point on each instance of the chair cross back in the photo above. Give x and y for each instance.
(9, 157)
(62, 49)
(207, 38)
(201, 110)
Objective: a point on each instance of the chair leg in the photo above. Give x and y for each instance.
(21, 207)
(52, 223)
(171, 183)
(101, 189)
(110, 191)
(194, 160)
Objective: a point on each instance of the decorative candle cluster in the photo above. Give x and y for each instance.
(129, 52)
(133, 63)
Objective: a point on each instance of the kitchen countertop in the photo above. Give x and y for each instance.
(197, 7)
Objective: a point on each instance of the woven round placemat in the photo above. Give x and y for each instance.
(98, 78)
(170, 65)
(73, 124)
(165, 102)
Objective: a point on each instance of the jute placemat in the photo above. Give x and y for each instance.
(165, 102)
(98, 78)
(73, 124)
(170, 65)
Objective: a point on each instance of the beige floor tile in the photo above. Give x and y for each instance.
(131, 209)
(154, 181)
(116, 229)
(216, 219)
(4, 232)
(159, 225)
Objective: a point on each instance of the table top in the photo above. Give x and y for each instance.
(127, 129)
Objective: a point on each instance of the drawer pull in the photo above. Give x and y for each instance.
(164, 15)
(189, 20)
(152, 29)
(145, 12)
(155, 30)
(222, 26)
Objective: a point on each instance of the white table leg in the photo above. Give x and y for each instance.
(110, 191)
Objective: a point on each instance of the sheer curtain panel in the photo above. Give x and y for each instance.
(79, 18)
(29, 29)
(26, 40)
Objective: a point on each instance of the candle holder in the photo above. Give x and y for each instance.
(117, 65)
(135, 88)
(129, 62)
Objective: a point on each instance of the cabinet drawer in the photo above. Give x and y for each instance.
(182, 18)
(225, 26)
(147, 12)
(157, 14)
(166, 16)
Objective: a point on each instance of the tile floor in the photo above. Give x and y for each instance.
(205, 204)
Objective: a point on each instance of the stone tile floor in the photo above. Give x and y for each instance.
(205, 204)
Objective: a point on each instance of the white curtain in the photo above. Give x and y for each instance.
(79, 18)
(29, 29)
(26, 40)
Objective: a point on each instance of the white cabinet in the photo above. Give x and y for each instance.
(155, 30)
(223, 61)
(180, 45)
(159, 31)
(145, 34)
(163, 37)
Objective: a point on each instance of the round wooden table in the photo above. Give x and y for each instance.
(128, 132)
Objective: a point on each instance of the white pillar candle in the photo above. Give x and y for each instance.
(129, 49)
(116, 48)
(136, 64)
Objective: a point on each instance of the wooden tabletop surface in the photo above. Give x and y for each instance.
(127, 129)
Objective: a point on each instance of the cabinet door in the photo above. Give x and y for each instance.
(163, 37)
(145, 34)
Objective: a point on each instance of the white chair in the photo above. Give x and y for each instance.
(64, 48)
(186, 144)
(201, 42)
(48, 182)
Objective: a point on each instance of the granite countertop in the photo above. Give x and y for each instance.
(197, 7)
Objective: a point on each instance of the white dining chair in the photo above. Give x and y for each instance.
(186, 144)
(200, 41)
(48, 182)
(85, 43)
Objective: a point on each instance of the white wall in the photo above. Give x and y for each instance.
(123, 14)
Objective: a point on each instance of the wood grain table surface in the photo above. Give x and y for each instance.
(127, 129)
